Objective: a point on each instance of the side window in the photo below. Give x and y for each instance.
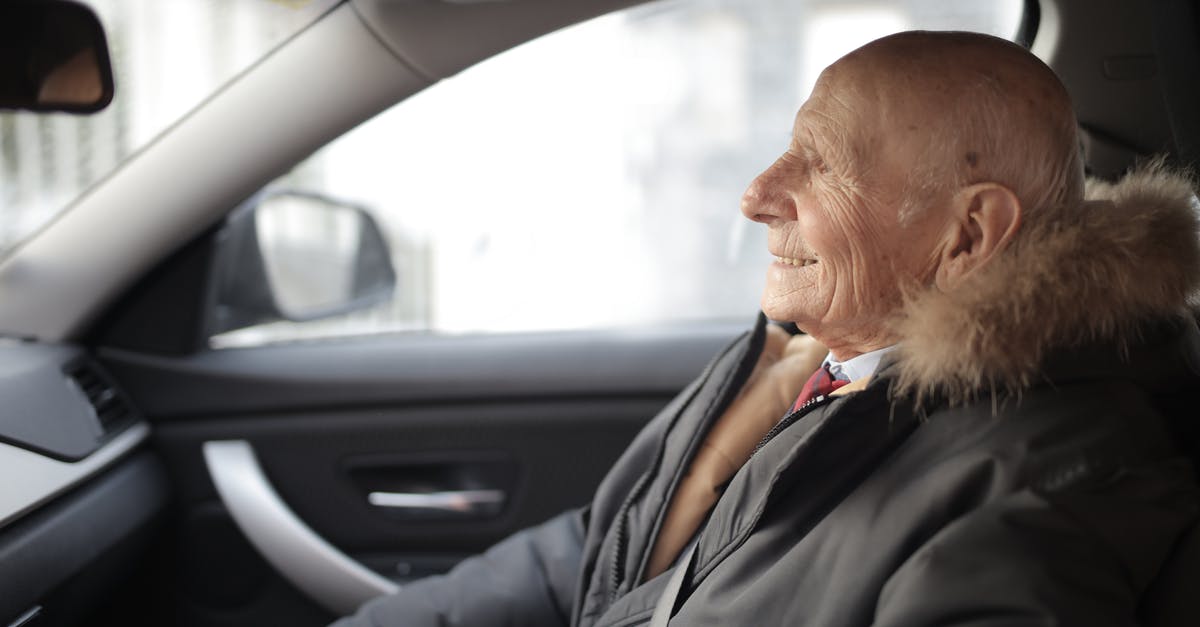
(591, 178)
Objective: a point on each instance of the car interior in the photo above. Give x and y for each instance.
(153, 479)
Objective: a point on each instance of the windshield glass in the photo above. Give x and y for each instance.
(167, 57)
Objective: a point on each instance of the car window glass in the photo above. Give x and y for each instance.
(591, 178)
(167, 56)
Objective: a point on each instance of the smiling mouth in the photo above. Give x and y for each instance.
(788, 261)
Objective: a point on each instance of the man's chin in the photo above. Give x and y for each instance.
(780, 310)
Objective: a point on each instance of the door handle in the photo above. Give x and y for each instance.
(483, 502)
(318, 568)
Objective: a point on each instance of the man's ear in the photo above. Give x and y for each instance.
(985, 216)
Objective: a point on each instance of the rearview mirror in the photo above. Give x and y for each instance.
(297, 256)
(53, 57)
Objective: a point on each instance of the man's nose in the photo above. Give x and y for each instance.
(766, 200)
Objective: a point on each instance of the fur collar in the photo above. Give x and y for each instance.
(1094, 272)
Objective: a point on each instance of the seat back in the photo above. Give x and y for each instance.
(1173, 599)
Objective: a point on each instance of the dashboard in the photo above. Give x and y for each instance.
(79, 498)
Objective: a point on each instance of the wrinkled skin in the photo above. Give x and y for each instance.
(934, 127)
(831, 203)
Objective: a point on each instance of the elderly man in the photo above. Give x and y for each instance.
(988, 439)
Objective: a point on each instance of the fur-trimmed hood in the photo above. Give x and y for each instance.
(1096, 271)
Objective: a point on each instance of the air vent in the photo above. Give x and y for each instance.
(111, 407)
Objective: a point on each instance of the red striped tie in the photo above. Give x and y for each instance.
(821, 383)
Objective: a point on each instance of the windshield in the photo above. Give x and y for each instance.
(167, 57)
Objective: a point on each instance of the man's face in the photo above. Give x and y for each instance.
(831, 204)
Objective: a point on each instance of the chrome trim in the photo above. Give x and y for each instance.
(28, 617)
(1049, 31)
(316, 567)
(34, 479)
(461, 501)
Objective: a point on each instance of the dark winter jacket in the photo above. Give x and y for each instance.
(990, 474)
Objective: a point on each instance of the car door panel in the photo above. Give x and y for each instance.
(525, 424)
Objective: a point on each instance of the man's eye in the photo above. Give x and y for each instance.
(814, 161)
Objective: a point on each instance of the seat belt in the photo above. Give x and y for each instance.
(666, 602)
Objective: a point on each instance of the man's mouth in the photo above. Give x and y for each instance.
(789, 261)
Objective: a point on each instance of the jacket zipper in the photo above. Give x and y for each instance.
(615, 577)
(778, 428)
(791, 419)
(614, 574)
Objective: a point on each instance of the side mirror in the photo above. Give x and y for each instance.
(286, 255)
(53, 57)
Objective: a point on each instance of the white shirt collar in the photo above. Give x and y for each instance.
(856, 368)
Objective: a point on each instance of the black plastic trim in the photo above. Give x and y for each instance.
(1177, 47)
(421, 369)
(47, 548)
(45, 411)
(1031, 19)
(163, 312)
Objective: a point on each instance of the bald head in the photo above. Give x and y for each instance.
(967, 107)
(911, 164)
